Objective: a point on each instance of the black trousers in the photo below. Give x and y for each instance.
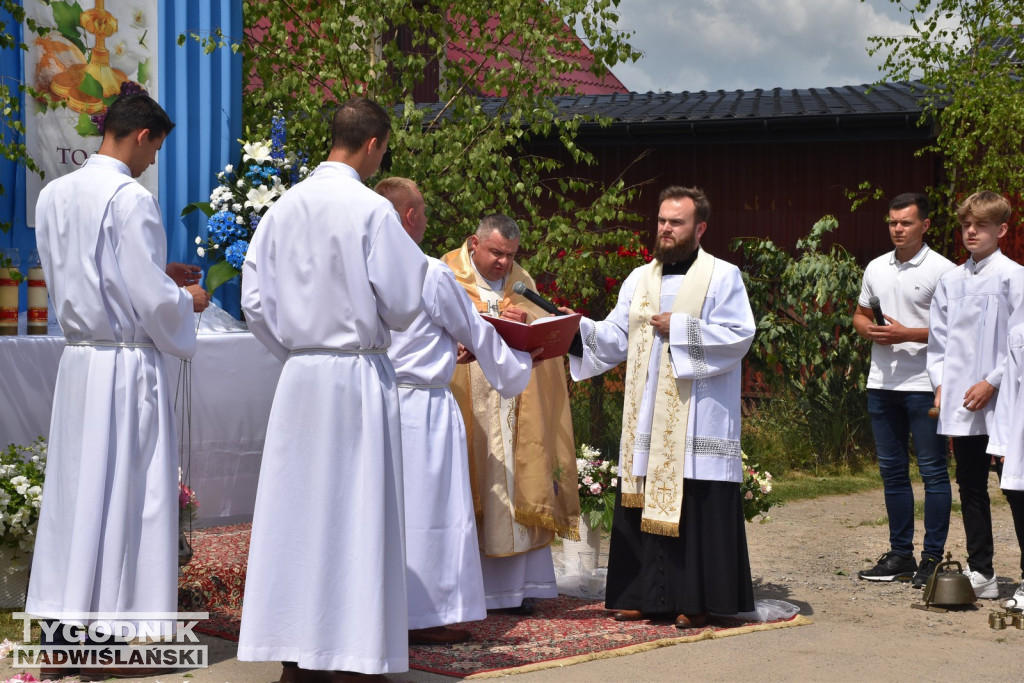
(972, 474)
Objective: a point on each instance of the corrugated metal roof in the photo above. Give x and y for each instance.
(889, 110)
(721, 105)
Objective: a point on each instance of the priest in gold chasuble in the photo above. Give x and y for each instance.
(522, 455)
(682, 323)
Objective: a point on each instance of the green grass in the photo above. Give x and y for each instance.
(11, 628)
(799, 486)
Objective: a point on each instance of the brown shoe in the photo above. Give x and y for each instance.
(52, 671)
(628, 615)
(438, 635)
(684, 621)
(55, 673)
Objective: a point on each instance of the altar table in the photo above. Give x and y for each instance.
(233, 382)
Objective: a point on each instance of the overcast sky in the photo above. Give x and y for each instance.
(692, 45)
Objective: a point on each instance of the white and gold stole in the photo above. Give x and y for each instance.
(660, 493)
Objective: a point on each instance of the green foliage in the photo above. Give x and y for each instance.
(596, 408)
(971, 90)
(806, 351)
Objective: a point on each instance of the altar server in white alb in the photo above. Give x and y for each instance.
(967, 333)
(107, 536)
(682, 324)
(1006, 440)
(329, 273)
(443, 573)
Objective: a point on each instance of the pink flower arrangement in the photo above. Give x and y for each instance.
(188, 503)
(598, 479)
(756, 489)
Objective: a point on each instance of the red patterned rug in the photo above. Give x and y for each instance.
(562, 631)
(213, 581)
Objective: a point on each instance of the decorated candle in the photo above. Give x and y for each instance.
(9, 300)
(37, 307)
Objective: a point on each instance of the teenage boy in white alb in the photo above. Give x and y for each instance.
(900, 392)
(968, 329)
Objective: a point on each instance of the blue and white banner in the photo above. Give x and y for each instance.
(201, 92)
(88, 58)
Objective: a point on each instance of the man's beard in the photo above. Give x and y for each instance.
(676, 252)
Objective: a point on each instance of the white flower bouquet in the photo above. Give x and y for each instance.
(22, 469)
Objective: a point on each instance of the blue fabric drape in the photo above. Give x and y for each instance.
(202, 93)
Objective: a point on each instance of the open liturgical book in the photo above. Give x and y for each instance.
(554, 333)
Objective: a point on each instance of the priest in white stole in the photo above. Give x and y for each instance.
(522, 456)
(682, 324)
(329, 273)
(443, 573)
(107, 536)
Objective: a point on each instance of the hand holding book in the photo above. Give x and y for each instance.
(553, 334)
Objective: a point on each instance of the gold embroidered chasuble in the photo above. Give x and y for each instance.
(660, 492)
(522, 453)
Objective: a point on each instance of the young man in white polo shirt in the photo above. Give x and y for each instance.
(900, 391)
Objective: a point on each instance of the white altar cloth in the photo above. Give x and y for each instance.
(233, 382)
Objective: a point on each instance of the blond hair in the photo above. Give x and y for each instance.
(986, 207)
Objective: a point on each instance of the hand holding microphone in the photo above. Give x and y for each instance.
(876, 308)
(532, 296)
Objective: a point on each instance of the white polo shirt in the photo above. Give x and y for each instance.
(904, 292)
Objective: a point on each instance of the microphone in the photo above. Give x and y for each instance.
(523, 290)
(876, 308)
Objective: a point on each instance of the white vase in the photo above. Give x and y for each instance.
(13, 577)
(584, 554)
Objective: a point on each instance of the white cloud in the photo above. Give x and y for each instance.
(747, 44)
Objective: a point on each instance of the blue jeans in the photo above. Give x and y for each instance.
(895, 416)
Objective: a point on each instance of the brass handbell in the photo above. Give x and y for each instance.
(948, 587)
(1013, 614)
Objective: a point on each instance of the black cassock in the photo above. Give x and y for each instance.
(706, 569)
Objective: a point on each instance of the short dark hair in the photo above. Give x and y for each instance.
(924, 208)
(505, 226)
(137, 111)
(356, 122)
(702, 206)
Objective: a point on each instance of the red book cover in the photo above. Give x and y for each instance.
(554, 333)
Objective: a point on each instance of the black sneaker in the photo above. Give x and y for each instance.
(891, 567)
(924, 571)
